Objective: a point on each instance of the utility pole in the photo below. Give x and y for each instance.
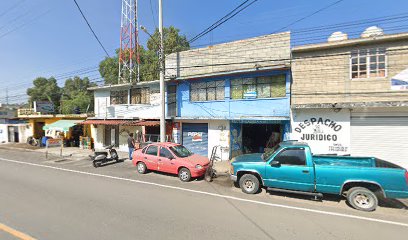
(162, 94)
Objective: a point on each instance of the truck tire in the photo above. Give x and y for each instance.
(249, 184)
(362, 199)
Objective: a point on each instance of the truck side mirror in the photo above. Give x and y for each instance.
(275, 163)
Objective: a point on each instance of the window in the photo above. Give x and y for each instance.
(181, 151)
(152, 150)
(119, 97)
(140, 96)
(207, 91)
(164, 152)
(260, 87)
(292, 157)
(368, 63)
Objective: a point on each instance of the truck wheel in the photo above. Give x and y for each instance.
(362, 199)
(249, 183)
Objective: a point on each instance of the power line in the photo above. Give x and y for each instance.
(93, 32)
(227, 17)
(309, 15)
(153, 15)
(11, 8)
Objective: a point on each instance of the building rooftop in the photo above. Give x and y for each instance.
(351, 42)
(123, 85)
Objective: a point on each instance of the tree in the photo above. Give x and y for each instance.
(109, 69)
(75, 95)
(149, 61)
(45, 90)
(172, 41)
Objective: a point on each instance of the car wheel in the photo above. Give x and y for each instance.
(249, 184)
(362, 199)
(184, 174)
(141, 167)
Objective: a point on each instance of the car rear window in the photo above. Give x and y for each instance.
(385, 164)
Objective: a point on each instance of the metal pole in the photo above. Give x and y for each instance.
(162, 94)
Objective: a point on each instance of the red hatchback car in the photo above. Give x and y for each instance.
(170, 158)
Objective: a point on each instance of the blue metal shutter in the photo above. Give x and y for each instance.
(195, 137)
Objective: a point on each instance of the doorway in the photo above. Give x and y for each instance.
(256, 138)
(111, 135)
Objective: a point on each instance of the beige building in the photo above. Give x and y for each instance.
(350, 96)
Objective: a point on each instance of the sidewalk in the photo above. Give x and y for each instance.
(75, 153)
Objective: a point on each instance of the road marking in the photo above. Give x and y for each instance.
(215, 194)
(15, 233)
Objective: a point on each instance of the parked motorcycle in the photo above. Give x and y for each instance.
(100, 158)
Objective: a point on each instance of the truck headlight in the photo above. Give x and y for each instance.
(198, 166)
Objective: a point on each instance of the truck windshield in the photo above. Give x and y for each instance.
(269, 153)
(181, 151)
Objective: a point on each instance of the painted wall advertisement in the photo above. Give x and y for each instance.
(327, 131)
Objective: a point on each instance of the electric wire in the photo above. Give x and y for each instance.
(89, 25)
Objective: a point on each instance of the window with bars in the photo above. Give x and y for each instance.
(260, 87)
(119, 97)
(207, 91)
(368, 63)
(140, 96)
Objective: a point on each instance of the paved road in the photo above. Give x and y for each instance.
(71, 200)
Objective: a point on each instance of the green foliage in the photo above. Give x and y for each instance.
(149, 61)
(75, 94)
(172, 41)
(109, 69)
(45, 90)
(81, 100)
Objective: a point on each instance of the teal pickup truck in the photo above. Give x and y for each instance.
(291, 167)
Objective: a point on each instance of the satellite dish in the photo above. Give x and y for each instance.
(373, 31)
(337, 36)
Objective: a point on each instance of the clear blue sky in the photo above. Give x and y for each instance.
(50, 38)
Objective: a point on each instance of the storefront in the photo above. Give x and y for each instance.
(327, 131)
(382, 133)
(256, 136)
(116, 132)
(201, 136)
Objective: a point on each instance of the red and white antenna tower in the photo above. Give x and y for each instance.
(129, 58)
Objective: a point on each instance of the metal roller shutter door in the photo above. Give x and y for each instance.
(382, 137)
(195, 137)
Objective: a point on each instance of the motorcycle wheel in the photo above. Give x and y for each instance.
(96, 164)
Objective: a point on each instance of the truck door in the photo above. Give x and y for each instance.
(289, 170)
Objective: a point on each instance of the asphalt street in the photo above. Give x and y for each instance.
(69, 199)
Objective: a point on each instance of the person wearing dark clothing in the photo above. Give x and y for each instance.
(131, 145)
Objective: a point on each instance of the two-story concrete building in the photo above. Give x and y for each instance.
(235, 94)
(125, 108)
(350, 96)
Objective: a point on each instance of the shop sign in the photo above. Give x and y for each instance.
(250, 95)
(400, 81)
(43, 107)
(54, 142)
(196, 136)
(326, 131)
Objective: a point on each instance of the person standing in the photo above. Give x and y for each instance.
(131, 145)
